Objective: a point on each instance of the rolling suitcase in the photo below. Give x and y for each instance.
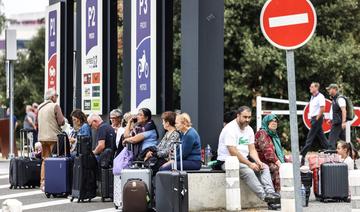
(171, 188)
(334, 184)
(106, 184)
(134, 179)
(24, 171)
(58, 171)
(84, 177)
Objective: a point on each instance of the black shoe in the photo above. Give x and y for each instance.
(272, 198)
(273, 206)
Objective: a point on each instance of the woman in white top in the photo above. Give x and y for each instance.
(344, 150)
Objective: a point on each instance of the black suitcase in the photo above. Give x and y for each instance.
(334, 184)
(24, 171)
(171, 189)
(106, 184)
(83, 145)
(84, 178)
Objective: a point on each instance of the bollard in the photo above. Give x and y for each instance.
(354, 184)
(11, 205)
(233, 198)
(287, 187)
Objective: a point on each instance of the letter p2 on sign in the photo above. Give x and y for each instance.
(288, 24)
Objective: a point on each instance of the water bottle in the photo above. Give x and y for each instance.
(303, 195)
(207, 154)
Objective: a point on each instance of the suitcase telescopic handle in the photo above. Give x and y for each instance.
(177, 143)
(63, 136)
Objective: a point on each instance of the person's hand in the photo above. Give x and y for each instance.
(148, 155)
(278, 163)
(254, 167)
(343, 125)
(260, 164)
(72, 140)
(328, 121)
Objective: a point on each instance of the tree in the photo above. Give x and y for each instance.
(253, 67)
(28, 75)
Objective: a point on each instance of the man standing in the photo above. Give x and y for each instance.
(316, 111)
(337, 115)
(50, 119)
(237, 139)
(105, 133)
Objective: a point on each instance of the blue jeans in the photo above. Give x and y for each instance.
(187, 165)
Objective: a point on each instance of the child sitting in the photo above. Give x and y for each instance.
(345, 151)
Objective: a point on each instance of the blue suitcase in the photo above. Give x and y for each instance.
(58, 175)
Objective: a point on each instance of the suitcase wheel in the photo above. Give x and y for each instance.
(47, 195)
(102, 199)
(72, 199)
(78, 200)
(89, 199)
(116, 207)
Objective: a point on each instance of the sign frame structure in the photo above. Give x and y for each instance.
(326, 126)
(92, 67)
(288, 20)
(144, 46)
(54, 16)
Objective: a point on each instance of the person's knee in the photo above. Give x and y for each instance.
(246, 173)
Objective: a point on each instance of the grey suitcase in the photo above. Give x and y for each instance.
(127, 174)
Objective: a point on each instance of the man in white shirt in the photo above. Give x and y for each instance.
(316, 111)
(237, 139)
(337, 116)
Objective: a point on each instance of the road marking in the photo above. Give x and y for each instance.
(23, 194)
(289, 20)
(106, 210)
(5, 186)
(50, 203)
(4, 176)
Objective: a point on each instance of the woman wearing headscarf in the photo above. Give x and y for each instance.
(268, 146)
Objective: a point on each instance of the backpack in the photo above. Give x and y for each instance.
(349, 108)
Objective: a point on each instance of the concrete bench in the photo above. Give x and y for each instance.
(207, 192)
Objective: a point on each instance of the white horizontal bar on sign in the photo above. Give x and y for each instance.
(280, 112)
(289, 20)
(282, 101)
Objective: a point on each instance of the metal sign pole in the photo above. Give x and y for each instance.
(294, 127)
(12, 124)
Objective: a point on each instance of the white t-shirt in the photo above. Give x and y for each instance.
(315, 103)
(119, 133)
(342, 103)
(232, 135)
(350, 162)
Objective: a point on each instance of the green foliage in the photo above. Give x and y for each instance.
(253, 67)
(28, 75)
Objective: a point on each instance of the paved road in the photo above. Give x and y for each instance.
(34, 200)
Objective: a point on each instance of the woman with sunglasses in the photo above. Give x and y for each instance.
(268, 146)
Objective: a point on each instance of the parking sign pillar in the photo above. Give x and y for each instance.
(294, 127)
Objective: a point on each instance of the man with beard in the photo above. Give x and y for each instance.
(237, 139)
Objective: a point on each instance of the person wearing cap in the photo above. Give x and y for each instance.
(337, 116)
(316, 111)
(50, 120)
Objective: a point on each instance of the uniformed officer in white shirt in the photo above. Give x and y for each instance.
(337, 116)
(316, 111)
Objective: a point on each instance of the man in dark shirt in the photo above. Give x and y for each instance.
(105, 133)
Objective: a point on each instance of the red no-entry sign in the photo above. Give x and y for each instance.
(288, 24)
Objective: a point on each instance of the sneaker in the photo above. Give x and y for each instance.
(274, 207)
(273, 198)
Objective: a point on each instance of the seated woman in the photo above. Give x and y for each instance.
(81, 127)
(344, 150)
(268, 146)
(162, 153)
(144, 134)
(191, 145)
